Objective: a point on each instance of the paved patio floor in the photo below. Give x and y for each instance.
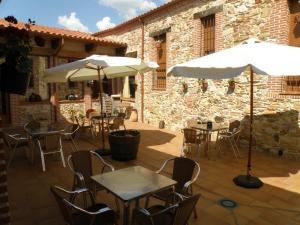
(276, 203)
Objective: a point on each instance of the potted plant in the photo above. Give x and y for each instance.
(231, 84)
(15, 72)
(203, 83)
(184, 87)
(124, 144)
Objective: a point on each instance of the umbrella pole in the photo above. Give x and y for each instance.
(248, 181)
(251, 123)
(101, 106)
(102, 151)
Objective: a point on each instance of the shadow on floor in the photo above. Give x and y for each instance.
(277, 202)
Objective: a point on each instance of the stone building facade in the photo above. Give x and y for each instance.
(70, 46)
(181, 21)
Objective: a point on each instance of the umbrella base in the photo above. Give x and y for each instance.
(247, 181)
(103, 151)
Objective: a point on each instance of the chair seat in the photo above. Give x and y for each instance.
(166, 195)
(23, 143)
(81, 218)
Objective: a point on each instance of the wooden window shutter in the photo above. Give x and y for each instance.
(208, 34)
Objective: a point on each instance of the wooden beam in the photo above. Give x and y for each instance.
(60, 46)
(42, 51)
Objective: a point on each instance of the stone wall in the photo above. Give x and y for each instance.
(276, 124)
(69, 109)
(39, 110)
(39, 63)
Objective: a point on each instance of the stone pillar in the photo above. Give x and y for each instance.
(55, 102)
(87, 98)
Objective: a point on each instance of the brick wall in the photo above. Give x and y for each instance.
(4, 205)
(278, 26)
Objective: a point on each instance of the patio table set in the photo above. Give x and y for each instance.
(198, 132)
(47, 139)
(128, 185)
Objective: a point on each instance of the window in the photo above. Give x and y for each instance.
(208, 34)
(291, 84)
(159, 76)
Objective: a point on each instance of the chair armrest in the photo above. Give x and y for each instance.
(164, 164)
(17, 137)
(102, 161)
(189, 183)
(77, 191)
(175, 197)
(170, 208)
(100, 211)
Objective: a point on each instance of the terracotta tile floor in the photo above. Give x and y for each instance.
(276, 203)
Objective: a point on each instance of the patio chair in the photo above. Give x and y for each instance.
(185, 171)
(73, 214)
(32, 124)
(122, 115)
(116, 124)
(50, 144)
(80, 163)
(191, 138)
(175, 214)
(71, 134)
(231, 135)
(191, 122)
(15, 139)
(84, 125)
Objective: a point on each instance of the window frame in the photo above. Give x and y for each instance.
(161, 83)
(208, 34)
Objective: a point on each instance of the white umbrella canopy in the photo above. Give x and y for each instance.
(264, 58)
(97, 67)
(261, 57)
(111, 66)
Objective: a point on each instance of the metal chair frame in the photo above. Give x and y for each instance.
(71, 136)
(70, 206)
(174, 211)
(79, 180)
(43, 149)
(194, 138)
(232, 136)
(14, 141)
(187, 187)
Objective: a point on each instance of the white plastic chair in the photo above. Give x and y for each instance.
(50, 144)
(231, 135)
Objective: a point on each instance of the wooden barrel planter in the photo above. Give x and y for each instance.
(124, 144)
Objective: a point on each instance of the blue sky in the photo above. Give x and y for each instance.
(83, 15)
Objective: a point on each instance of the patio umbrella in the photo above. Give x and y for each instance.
(261, 57)
(97, 67)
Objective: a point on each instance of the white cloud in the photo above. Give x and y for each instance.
(72, 22)
(105, 23)
(129, 8)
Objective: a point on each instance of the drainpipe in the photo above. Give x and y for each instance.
(142, 75)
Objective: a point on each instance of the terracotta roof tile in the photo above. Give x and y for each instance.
(58, 32)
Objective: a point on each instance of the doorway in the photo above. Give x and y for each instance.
(5, 108)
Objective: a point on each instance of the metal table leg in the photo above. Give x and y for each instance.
(126, 212)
